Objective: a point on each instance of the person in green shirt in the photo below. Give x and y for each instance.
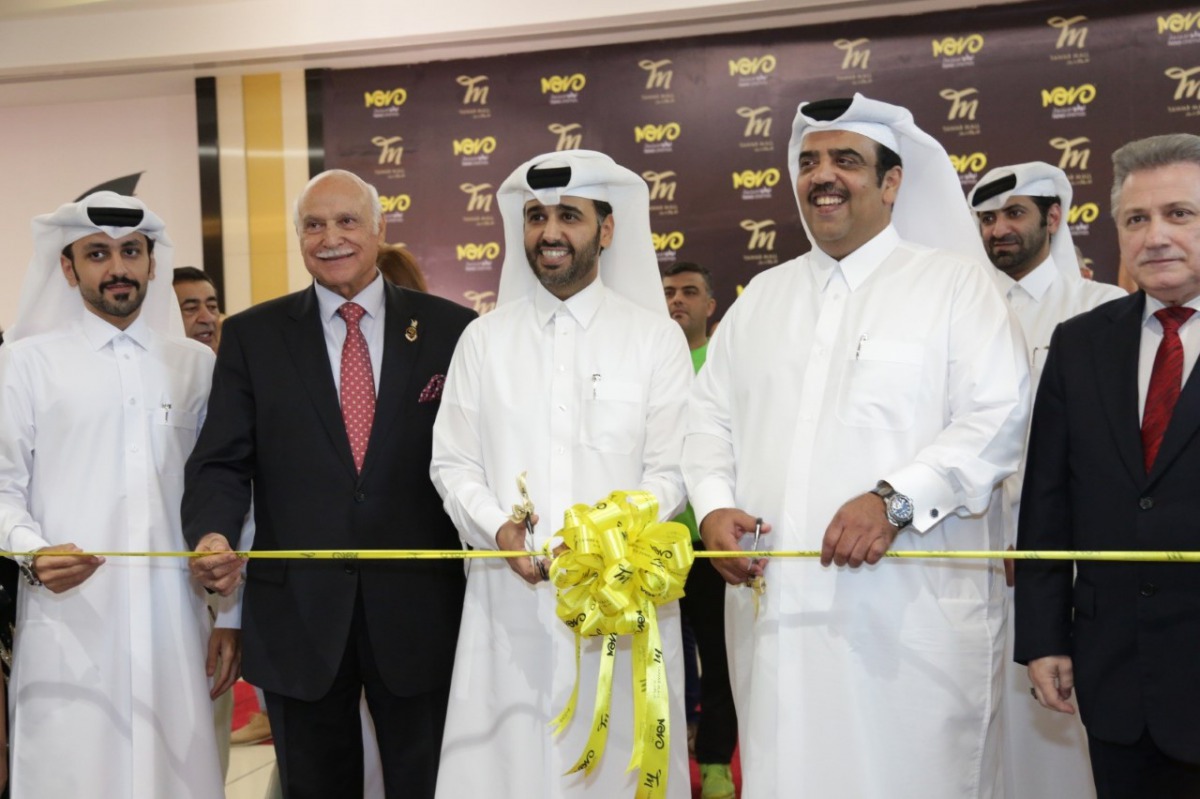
(688, 290)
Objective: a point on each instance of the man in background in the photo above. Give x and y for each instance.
(1021, 211)
(688, 291)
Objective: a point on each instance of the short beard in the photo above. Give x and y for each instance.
(119, 309)
(1021, 258)
(582, 262)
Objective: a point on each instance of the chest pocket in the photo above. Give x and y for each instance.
(172, 436)
(881, 385)
(612, 416)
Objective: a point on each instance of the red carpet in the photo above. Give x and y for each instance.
(245, 703)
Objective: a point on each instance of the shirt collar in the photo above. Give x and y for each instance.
(1036, 283)
(1153, 305)
(582, 305)
(858, 265)
(99, 332)
(370, 298)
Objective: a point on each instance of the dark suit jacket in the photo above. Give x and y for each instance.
(1132, 629)
(274, 421)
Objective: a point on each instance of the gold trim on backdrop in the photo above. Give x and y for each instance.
(294, 102)
(265, 201)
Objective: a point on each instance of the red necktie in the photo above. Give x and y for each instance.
(358, 384)
(1166, 380)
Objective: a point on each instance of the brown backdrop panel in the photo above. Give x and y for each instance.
(706, 122)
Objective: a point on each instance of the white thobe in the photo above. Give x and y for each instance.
(108, 685)
(587, 396)
(897, 363)
(1045, 753)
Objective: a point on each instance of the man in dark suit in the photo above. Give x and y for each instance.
(322, 407)
(1114, 464)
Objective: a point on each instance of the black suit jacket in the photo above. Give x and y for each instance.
(1132, 629)
(274, 422)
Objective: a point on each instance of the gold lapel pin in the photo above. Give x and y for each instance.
(411, 332)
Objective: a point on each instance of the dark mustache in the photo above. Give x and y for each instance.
(120, 281)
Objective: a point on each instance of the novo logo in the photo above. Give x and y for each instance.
(758, 121)
(390, 149)
(655, 133)
(1074, 154)
(1187, 89)
(382, 99)
(476, 92)
(662, 185)
(759, 65)
(1070, 32)
(857, 55)
(395, 203)
(755, 179)
(951, 46)
(960, 106)
(1061, 96)
(570, 137)
(485, 145)
(1179, 23)
(657, 76)
(1086, 213)
(667, 241)
(560, 84)
(479, 197)
(488, 251)
(762, 237)
(975, 162)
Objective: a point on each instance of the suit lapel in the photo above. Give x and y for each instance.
(1115, 352)
(397, 368)
(306, 343)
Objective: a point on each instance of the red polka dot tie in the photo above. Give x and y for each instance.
(1166, 380)
(358, 384)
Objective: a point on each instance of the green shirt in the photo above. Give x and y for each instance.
(688, 517)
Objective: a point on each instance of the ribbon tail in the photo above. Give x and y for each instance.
(560, 722)
(656, 747)
(593, 750)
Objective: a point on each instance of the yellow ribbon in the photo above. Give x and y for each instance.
(619, 564)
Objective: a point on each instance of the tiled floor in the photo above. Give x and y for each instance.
(250, 770)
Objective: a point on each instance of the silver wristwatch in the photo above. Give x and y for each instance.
(28, 570)
(898, 507)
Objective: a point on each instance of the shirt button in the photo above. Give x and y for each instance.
(134, 448)
(1146, 503)
(933, 513)
(1148, 589)
(133, 400)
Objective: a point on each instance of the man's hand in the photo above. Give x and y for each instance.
(221, 571)
(60, 571)
(721, 530)
(224, 662)
(510, 538)
(1053, 679)
(859, 533)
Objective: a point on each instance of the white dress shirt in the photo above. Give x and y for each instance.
(371, 325)
(586, 396)
(898, 363)
(108, 677)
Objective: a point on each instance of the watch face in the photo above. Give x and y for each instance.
(901, 507)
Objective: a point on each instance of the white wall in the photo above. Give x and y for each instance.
(50, 154)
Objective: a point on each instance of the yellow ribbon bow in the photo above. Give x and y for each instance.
(620, 564)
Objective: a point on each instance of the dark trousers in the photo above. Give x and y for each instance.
(1140, 771)
(704, 607)
(319, 747)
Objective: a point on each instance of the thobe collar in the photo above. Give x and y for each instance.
(858, 265)
(100, 333)
(1035, 284)
(370, 299)
(582, 305)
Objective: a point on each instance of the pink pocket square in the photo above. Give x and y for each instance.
(433, 389)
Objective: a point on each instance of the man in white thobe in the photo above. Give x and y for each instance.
(100, 400)
(1021, 213)
(579, 378)
(865, 397)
